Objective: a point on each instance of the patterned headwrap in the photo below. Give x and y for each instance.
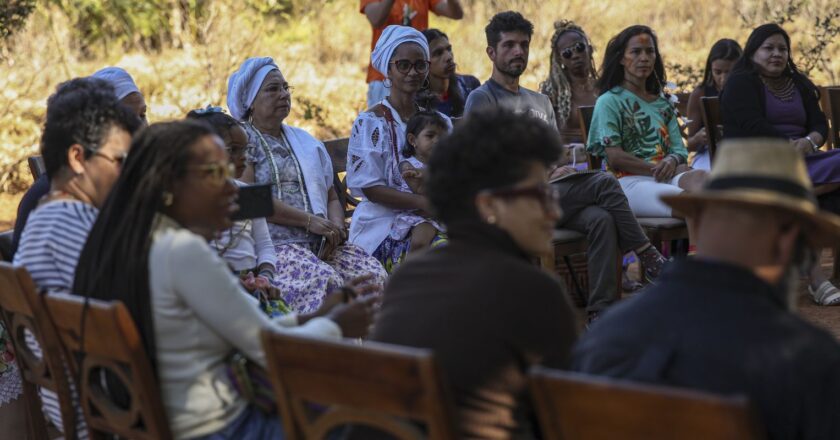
(388, 42)
(244, 84)
(556, 86)
(118, 78)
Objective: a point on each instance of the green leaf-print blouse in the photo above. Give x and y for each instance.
(647, 130)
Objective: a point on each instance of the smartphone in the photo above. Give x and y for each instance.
(322, 247)
(254, 202)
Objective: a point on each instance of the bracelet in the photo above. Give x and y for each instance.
(308, 222)
(814, 145)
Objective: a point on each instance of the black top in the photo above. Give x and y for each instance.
(717, 327)
(744, 110)
(30, 200)
(489, 314)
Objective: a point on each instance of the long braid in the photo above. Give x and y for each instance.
(557, 86)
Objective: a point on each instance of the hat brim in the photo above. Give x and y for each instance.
(822, 229)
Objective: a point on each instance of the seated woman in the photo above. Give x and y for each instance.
(307, 227)
(719, 63)
(480, 303)
(402, 55)
(767, 96)
(86, 137)
(571, 78)
(635, 127)
(149, 250)
(447, 91)
(129, 95)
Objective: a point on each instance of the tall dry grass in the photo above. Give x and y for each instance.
(324, 53)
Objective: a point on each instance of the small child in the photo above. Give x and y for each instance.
(423, 131)
(246, 246)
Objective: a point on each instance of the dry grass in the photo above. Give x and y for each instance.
(323, 54)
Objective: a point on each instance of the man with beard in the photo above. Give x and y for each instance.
(723, 322)
(508, 38)
(592, 202)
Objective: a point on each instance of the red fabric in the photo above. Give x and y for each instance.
(419, 21)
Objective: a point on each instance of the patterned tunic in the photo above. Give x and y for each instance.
(647, 130)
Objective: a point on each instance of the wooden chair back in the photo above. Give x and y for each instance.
(711, 120)
(21, 309)
(337, 149)
(833, 114)
(574, 406)
(101, 337)
(36, 166)
(585, 116)
(682, 103)
(381, 386)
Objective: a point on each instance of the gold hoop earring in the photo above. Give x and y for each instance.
(168, 198)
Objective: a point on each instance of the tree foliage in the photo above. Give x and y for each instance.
(13, 14)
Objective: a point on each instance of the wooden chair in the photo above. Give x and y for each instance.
(6, 245)
(658, 229)
(710, 106)
(386, 387)
(100, 336)
(337, 149)
(682, 104)
(36, 166)
(22, 310)
(832, 95)
(574, 406)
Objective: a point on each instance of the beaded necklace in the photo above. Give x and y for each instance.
(275, 172)
(780, 87)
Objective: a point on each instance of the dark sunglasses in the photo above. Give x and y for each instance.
(578, 47)
(404, 66)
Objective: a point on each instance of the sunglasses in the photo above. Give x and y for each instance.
(218, 173)
(578, 47)
(547, 195)
(404, 66)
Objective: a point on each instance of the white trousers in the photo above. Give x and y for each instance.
(643, 194)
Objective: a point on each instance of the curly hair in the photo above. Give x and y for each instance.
(508, 21)
(415, 126)
(489, 149)
(81, 111)
(222, 123)
(557, 86)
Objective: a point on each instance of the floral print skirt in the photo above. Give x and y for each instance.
(304, 279)
(391, 253)
(10, 382)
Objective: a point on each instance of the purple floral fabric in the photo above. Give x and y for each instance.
(304, 279)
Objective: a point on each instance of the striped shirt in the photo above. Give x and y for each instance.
(49, 250)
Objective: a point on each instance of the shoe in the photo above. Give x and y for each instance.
(826, 294)
(652, 263)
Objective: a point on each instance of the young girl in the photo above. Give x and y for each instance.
(721, 58)
(246, 246)
(422, 132)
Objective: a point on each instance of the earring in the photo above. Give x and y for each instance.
(386, 83)
(168, 198)
(491, 219)
(426, 84)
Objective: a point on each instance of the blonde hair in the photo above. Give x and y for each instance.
(556, 86)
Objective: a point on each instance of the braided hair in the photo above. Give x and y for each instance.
(557, 86)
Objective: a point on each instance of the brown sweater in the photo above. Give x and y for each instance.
(489, 314)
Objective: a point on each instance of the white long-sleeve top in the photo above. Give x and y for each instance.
(201, 314)
(247, 244)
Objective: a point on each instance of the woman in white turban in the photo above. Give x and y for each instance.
(125, 89)
(307, 228)
(377, 136)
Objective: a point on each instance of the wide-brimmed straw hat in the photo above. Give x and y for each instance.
(762, 173)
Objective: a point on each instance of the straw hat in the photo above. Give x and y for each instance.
(765, 173)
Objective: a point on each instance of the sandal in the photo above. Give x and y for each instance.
(826, 294)
(629, 285)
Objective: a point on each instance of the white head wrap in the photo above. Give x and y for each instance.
(388, 42)
(120, 79)
(244, 84)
